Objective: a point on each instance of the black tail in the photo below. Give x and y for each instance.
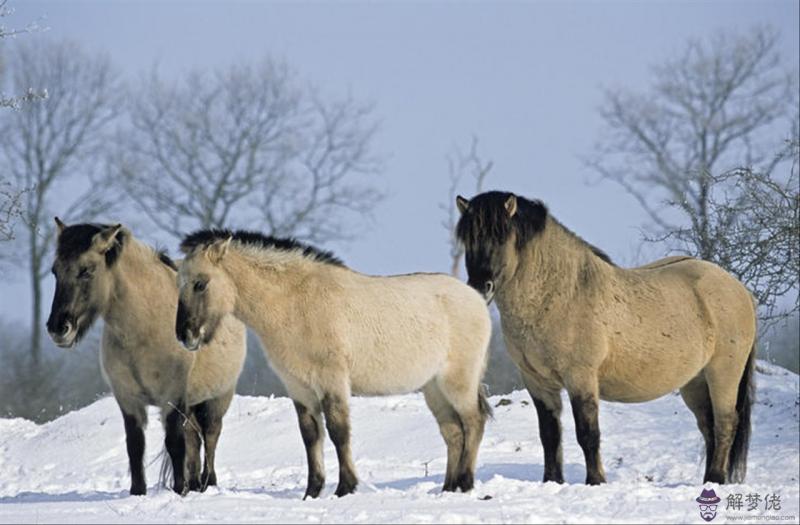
(737, 461)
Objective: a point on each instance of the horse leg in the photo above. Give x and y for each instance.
(723, 388)
(135, 419)
(695, 395)
(175, 441)
(548, 411)
(209, 416)
(466, 399)
(337, 420)
(309, 417)
(193, 445)
(451, 429)
(585, 403)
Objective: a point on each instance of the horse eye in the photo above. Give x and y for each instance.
(85, 272)
(200, 286)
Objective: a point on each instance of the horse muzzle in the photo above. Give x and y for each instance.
(68, 336)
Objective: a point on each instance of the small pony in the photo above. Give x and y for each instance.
(573, 320)
(103, 271)
(329, 331)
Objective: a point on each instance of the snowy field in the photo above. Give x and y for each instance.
(74, 469)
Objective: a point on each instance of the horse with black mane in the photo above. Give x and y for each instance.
(573, 320)
(330, 332)
(103, 271)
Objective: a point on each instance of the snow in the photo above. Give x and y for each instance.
(74, 469)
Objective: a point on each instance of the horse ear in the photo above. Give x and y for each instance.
(60, 225)
(511, 205)
(218, 249)
(105, 239)
(462, 204)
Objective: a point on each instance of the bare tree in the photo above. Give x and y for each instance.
(51, 146)
(10, 210)
(29, 93)
(461, 165)
(714, 108)
(754, 217)
(248, 144)
(11, 196)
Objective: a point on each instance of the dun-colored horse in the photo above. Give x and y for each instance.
(573, 320)
(103, 271)
(329, 331)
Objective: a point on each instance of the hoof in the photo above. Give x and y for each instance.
(180, 488)
(595, 480)
(138, 490)
(195, 485)
(555, 477)
(714, 477)
(449, 487)
(314, 487)
(344, 489)
(466, 481)
(210, 480)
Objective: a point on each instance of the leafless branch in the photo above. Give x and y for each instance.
(461, 165)
(247, 144)
(673, 148)
(48, 141)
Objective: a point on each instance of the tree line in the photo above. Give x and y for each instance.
(709, 151)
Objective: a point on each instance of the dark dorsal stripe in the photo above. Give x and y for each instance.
(486, 222)
(77, 239)
(204, 238)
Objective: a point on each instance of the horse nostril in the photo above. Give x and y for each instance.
(66, 328)
(489, 287)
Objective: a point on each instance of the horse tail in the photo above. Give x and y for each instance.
(165, 474)
(737, 460)
(483, 402)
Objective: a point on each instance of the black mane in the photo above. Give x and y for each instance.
(486, 221)
(203, 238)
(76, 239)
(166, 260)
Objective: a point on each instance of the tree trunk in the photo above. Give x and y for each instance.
(455, 267)
(36, 318)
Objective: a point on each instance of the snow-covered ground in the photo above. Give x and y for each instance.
(74, 469)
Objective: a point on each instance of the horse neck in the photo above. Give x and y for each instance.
(265, 292)
(143, 288)
(554, 265)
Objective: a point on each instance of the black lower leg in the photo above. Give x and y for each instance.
(134, 439)
(194, 445)
(550, 435)
(587, 428)
(175, 442)
(210, 424)
(312, 437)
(707, 429)
(338, 422)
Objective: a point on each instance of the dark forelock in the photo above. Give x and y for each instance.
(486, 220)
(76, 239)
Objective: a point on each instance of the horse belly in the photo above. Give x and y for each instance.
(397, 369)
(643, 373)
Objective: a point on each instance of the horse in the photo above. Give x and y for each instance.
(329, 332)
(104, 271)
(573, 320)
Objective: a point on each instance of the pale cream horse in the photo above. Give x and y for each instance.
(104, 271)
(573, 320)
(330, 332)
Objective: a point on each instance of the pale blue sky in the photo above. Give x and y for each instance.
(526, 77)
